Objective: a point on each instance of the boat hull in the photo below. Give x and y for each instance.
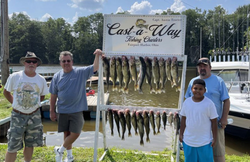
(240, 126)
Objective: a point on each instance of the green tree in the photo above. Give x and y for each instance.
(57, 37)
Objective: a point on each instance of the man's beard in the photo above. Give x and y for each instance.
(203, 72)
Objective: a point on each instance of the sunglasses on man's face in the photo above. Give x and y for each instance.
(31, 61)
(64, 61)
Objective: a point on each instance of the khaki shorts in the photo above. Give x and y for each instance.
(25, 128)
(71, 122)
(219, 148)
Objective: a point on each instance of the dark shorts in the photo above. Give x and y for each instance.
(25, 128)
(71, 122)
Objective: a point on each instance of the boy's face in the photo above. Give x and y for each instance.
(198, 90)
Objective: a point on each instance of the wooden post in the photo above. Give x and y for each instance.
(4, 59)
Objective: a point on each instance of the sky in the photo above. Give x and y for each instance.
(71, 10)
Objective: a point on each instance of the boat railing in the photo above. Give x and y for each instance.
(238, 86)
(229, 58)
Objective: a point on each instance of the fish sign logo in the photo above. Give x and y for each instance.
(140, 23)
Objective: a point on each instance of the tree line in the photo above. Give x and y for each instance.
(220, 32)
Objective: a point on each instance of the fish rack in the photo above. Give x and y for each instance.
(102, 107)
(141, 36)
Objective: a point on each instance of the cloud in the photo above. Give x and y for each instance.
(159, 11)
(46, 17)
(177, 6)
(140, 8)
(144, 7)
(119, 10)
(24, 12)
(75, 18)
(46, 0)
(91, 5)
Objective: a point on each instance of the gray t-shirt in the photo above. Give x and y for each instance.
(70, 89)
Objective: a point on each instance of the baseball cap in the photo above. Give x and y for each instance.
(204, 60)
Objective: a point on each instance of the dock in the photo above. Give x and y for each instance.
(92, 101)
(88, 114)
(93, 79)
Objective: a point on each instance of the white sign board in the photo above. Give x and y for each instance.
(144, 34)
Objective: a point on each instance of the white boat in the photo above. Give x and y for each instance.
(235, 75)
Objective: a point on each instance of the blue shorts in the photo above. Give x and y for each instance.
(198, 154)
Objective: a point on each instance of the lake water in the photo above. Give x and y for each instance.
(158, 142)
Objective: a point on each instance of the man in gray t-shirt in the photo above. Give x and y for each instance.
(68, 92)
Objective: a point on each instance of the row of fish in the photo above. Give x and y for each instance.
(141, 121)
(157, 71)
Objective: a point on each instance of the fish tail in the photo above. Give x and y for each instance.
(140, 91)
(141, 142)
(159, 91)
(126, 91)
(119, 133)
(114, 87)
(172, 84)
(178, 88)
(136, 87)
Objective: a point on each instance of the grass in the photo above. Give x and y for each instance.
(46, 154)
(5, 106)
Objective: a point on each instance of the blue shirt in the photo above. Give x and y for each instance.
(216, 90)
(70, 89)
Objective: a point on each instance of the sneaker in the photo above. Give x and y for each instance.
(59, 155)
(69, 159)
